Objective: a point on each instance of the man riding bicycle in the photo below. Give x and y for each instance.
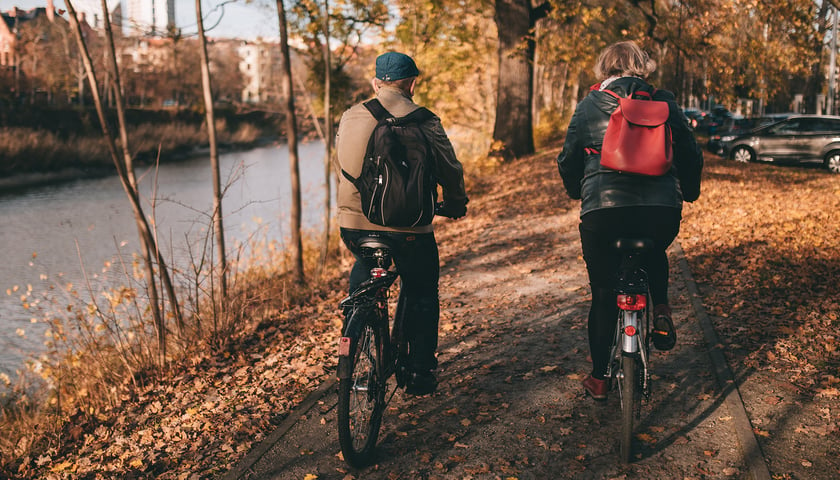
(414, 249)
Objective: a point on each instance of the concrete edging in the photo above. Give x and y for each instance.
(243, 466)
(753, 455)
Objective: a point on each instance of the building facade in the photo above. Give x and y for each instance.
(148, 18)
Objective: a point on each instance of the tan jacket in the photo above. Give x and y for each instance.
(354, 131)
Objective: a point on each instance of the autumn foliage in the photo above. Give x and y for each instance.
(764, 243)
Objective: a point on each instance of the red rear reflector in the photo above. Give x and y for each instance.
(630, 330)
(631, 302)
(378, 272)
(344, 346)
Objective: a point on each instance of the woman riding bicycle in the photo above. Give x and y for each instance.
(616, 204)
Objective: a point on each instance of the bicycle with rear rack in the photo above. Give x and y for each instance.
(370, 353)
(629, 365)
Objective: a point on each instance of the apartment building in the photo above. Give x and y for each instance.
(148, 18)
(260, 68)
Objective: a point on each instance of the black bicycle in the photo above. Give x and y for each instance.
(630, 353)
(370, 353)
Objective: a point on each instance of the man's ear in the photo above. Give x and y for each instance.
(374, 85)
(413, 84)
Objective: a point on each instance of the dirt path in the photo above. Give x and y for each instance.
(513, 352)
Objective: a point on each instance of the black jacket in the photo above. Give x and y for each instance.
(597, 187)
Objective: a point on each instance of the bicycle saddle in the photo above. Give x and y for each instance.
(633, 244)
(373, 242)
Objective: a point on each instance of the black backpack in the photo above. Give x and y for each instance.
(397, 183)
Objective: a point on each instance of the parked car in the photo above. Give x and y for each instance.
(730, 128)
(798, 138)
(712, 122)
(772, 118)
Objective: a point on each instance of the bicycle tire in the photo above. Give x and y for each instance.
(629, 406)
(361, 398)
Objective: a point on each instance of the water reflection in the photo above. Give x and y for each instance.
(42, 227)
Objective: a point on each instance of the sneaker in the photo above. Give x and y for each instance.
(664, 334)
(597, 389)
(421, 383)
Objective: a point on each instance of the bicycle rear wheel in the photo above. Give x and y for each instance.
(361, 397)
(631, 399)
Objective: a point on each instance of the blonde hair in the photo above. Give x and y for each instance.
(624, 59)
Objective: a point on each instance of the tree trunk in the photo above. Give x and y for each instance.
(325, 241)
(513, 130)
(218, 228)
(126, 175)
(292, 134)
(816, 78)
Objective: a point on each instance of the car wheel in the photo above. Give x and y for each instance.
(743, 154)
(832, 161)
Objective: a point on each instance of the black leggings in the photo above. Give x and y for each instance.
(598, 232)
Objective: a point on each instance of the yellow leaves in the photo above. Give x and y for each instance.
(828, 392)
(310, 476)
(63, 467)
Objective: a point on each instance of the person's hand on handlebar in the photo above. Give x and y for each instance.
(453, 211)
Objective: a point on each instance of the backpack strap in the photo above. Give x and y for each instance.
(379, 112)
(640, 93)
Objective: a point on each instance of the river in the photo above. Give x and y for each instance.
(42, 226)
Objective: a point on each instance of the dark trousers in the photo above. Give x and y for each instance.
(598, 232)
(417, 261)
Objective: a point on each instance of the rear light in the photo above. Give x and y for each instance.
(629, 330)
(378, 272)
(631, 302)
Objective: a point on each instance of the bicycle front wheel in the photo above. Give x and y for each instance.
(361, 398)
(630, 404)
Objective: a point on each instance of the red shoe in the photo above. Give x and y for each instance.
(597, 389)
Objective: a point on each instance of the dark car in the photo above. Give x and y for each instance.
(730, 128)
(799, 138)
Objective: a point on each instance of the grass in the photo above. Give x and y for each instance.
(102, 345)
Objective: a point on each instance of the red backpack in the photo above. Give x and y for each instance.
(638, 138)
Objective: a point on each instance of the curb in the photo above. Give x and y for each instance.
(243, 466)
(753, 456)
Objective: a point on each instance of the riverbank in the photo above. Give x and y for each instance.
(17, 182)
(55, 144)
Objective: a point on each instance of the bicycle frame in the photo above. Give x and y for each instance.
(368, 357)
(634, 314)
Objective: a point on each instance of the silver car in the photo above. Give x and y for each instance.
(799, 138)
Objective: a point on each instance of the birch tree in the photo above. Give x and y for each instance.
(125, 170)
(292, 138)
(218, 228)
